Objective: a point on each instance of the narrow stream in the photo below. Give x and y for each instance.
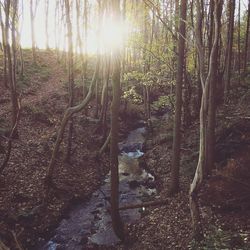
(90, 223)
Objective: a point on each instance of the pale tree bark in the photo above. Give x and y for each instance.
(229, 50)
(5, 64)
(33, 10)
(246, 57)
(67, 116)
(85, 25)
(104, 97)
(206, 82)
(178, 99)
(47, 23)
(114, 133)
(11, 57)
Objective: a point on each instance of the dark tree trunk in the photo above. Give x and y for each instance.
(116, 59)
(210, 137)
(178, 103)
(70, 77)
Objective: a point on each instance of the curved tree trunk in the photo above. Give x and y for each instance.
(67, 115)
(200, 169)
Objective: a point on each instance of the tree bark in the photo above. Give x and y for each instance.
(46, 23)
(228, 60)
(70, 77)
(210, 137)
(67, 115)
(247, 38)
(32, 20)
(114, 132)
(200, 169)
(178, 100)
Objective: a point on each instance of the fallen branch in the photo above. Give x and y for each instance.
(3, 246)
(145, 204)
(105, 144)
(235, 180)
(238, 117)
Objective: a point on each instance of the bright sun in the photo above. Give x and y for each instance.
(109, 35)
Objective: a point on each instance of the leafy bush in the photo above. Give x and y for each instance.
(163, 104)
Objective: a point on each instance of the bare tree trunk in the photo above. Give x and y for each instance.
(79, 38)
(239, 51)
(116, 59)
(104, 98)
(228, 60)
(85, 70)
(5, 77)
(206, 82)
(11, 61)
(11, 56)
(178, 103)
(70, 77)
(32, 20)
(247, 38)
(46, 23)
(210, 137)
(67, 116)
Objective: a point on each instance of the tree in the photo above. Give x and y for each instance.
(206, 83)
(5, 81)
(178, 99)
(46, 23)
(33, 10)
(210, 137)
(70, 76)
(228, 58)
(11, 19)
(246, 57)
(116, 60)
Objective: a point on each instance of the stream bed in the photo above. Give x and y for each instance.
(89, 223)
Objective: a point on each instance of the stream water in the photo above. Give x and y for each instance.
(89, 223)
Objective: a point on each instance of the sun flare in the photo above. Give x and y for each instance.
(101, 36)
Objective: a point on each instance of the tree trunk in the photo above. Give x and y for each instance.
(5, 77)
(67, 116)
(200, 170)
(46, 23)
(247, 38)
(70, 77)
(228, 60)
(11, 61)
(32, 20)
(178, 100)
(115, 215)
(239, 50)
(210, 137)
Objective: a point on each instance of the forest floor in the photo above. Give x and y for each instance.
(44, 100)
(225, 196)
(224, 199)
